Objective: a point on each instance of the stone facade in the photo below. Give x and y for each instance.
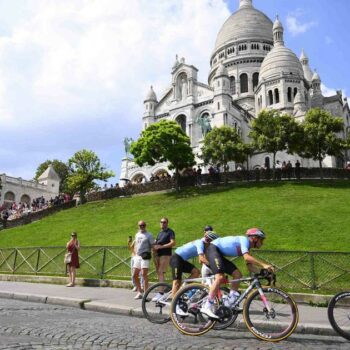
(250, 69)
(18, 190)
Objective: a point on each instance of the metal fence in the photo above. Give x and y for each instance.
(296, 270)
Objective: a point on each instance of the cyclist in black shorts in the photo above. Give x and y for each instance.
(231, 246)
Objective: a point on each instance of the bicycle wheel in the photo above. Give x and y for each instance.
(227, 315)
(185, 310)
(339, 314)
(275, 324)
(157, 311)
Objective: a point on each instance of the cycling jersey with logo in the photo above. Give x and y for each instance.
(232, 245)
(191, 249)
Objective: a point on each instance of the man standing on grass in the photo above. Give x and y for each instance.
(164, 242)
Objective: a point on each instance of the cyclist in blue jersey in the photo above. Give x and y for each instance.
(232, 246)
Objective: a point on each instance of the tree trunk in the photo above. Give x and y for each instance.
(321, 169)
(225, 174)
(274, 166)
(177, 184)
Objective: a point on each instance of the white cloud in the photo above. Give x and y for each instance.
(295, 24)
(74, 73)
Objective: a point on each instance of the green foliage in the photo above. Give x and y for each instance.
(163, 141)
(61, 169)
(272, 132)
(307, 216)
(84, 168)
(223, 145)
(320, 135)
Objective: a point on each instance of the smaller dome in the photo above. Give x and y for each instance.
(151, 96)
(221, 70)
(277, 24)
(316, 77)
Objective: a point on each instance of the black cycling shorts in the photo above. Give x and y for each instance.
(218, 263)
(179, 265)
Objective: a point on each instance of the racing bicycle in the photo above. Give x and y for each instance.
(269, 313)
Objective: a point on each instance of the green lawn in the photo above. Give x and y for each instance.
(297, 216)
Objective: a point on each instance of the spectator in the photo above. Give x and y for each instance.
(143, 246)
(131, 247)
(297, 170)
(199, 176)
(73, 247)
(289, 169)
(4, 217)
(165, 241)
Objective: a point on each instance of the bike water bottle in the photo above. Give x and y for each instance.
(225, 300)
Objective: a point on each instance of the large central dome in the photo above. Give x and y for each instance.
(245, 24)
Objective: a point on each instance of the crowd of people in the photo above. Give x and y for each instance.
(18, 210)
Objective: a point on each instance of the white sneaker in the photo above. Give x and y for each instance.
(138, 296)
(180, 312)
(157, 297)
(207, 309)
(134, 289)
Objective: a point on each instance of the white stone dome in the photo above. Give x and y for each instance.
(151, 95)
(247, 23)
(280, 60)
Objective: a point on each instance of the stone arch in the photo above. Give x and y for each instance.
(181, 120)
(9, 197)
(270, 98)
(25, 199)
(267, 163)
(255, 80)
(138, 178)
(277, 96)
(244, 82)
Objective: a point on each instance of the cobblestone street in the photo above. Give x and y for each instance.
(25, 325)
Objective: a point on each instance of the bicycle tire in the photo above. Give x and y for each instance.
(189, 325)
(220, 325)
(339, 314)
(156, 312)
(262, 324)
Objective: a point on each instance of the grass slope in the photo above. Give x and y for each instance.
(296, 216)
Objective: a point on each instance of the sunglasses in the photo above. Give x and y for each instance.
(163, 222)
(142, 225)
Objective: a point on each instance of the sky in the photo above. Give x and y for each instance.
(74, 74)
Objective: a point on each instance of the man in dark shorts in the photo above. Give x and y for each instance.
(231, 246)
(163, 250)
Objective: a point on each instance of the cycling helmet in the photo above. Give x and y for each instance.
(208, 228)
(255, 232)
(210, 236)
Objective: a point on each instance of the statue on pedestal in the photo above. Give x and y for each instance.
(204, 122)
(127, 144)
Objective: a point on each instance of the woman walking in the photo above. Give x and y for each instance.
(73, 247)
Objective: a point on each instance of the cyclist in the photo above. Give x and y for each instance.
(231, 246)
(179, 261)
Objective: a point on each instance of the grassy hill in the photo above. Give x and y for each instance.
(297, 216)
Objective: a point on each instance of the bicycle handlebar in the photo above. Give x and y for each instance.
(268, 275)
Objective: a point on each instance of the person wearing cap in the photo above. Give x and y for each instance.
(232, 246)
(179, 261)
(73, 247)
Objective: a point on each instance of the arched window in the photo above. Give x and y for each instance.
(25, 199)
(244, 83)
(289, 94)
(181, 120)
(277, 96)
(295, 91)
(255, 80)
(233, 85)
(267, 162)
(9, 196)
(270, 98)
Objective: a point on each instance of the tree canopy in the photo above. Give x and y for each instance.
(84, 168)
(163, 141)
(272, 132)
(320, 135)
(223, 145)
(61, 169)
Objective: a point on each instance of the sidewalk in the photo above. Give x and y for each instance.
(313, 320)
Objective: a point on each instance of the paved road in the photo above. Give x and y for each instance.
(26, 325)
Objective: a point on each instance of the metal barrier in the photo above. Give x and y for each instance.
(296, 270)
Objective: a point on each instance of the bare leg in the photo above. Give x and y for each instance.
(236, 275)
(144, 273)
(136, 274)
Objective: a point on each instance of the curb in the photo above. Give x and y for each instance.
(96, 306)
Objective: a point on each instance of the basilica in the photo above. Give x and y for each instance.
(251, 69)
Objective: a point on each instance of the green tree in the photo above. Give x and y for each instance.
(163, 141)
(84, 168)
(223, 145)
(61, 169)
(273, 132)
(320, 136)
